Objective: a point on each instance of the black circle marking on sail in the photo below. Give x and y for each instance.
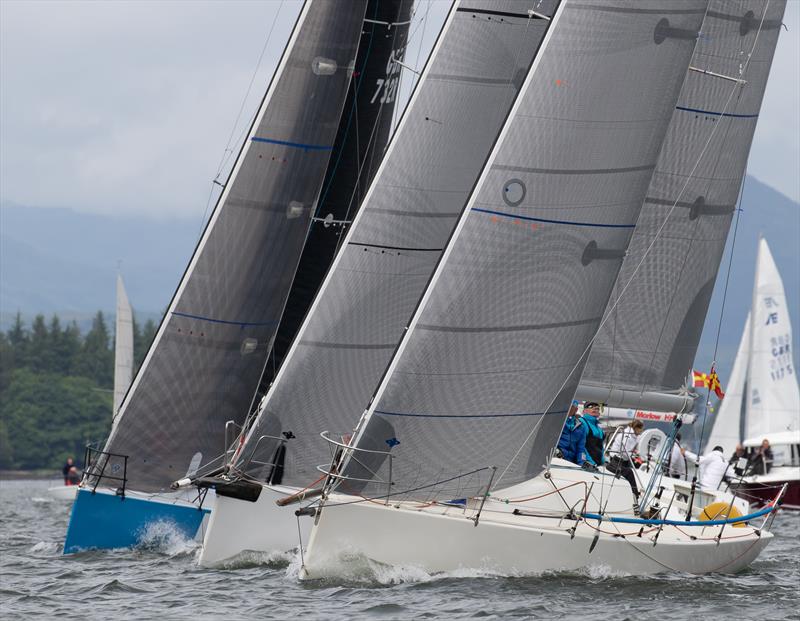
(513, 192)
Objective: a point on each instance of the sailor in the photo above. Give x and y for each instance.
(739, 467)
(761, 461)
(571, 444)
(622, 451)
(73, 476)
(594, 435)
(66, 469)
(676, 466)
(713, 467)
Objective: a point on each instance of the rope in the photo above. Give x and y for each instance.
(610, 310)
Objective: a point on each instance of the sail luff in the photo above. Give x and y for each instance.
(123, 346)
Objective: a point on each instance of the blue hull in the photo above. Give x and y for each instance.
(104, 521)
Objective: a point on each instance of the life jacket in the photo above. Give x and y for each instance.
(594, 439)
(570, 439)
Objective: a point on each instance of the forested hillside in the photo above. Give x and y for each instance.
(56, 389)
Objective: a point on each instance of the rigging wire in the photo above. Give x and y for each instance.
(228, 151)
(647, 251)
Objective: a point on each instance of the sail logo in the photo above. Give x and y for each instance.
(770, 302)
(386, 87)
(772, 318)
(756, 397)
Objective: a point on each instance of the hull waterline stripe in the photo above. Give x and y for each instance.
(470, 415)
(712, 113)
(546, 221)
(296, 145)
(243, 324)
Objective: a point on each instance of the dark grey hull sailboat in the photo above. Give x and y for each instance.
(319, 130)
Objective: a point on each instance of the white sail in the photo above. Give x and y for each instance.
(773, 403)
(123, 346)
(726, 430)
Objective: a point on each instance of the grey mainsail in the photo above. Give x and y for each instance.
(489, 363)
(645, 349)
(208, 354)
(435, 157)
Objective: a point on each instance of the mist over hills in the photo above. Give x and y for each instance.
(55, 260)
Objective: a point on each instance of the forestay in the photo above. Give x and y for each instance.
(649, 339)
(209, 352)
(773, 398)
(347, 340)
(489, 356)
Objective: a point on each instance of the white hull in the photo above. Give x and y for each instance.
(63, 492)
(444, 538)
(238, 526)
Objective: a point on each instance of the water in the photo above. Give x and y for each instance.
(162, 580)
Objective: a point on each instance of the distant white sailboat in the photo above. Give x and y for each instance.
(123, 369)
(763, 398)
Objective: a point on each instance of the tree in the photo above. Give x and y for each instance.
(18, 338)
(39, 358)
(96, 359)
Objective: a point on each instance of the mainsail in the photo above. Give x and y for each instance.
(208, 354)
(363, 134)
(773, 397)
(491, 359)
(649, 338)
(357, 320)
(123, 346)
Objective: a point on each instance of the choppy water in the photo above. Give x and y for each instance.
(161, 580)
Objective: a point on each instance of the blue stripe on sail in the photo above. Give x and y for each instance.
(468, 415)
(712, 113)
(296, 145)
(243, 324)
(545, 220)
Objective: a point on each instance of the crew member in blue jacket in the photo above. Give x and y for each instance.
(594, 435)
(573, 438)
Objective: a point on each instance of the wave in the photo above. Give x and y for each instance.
(165, 537)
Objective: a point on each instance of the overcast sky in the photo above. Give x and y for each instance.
(127, 107)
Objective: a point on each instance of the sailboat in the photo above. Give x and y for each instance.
(197, 381)
(449, 465)
(454, 115)
(123, 369)
(763, 400)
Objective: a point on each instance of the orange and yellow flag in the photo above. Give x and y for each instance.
(708, 380)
